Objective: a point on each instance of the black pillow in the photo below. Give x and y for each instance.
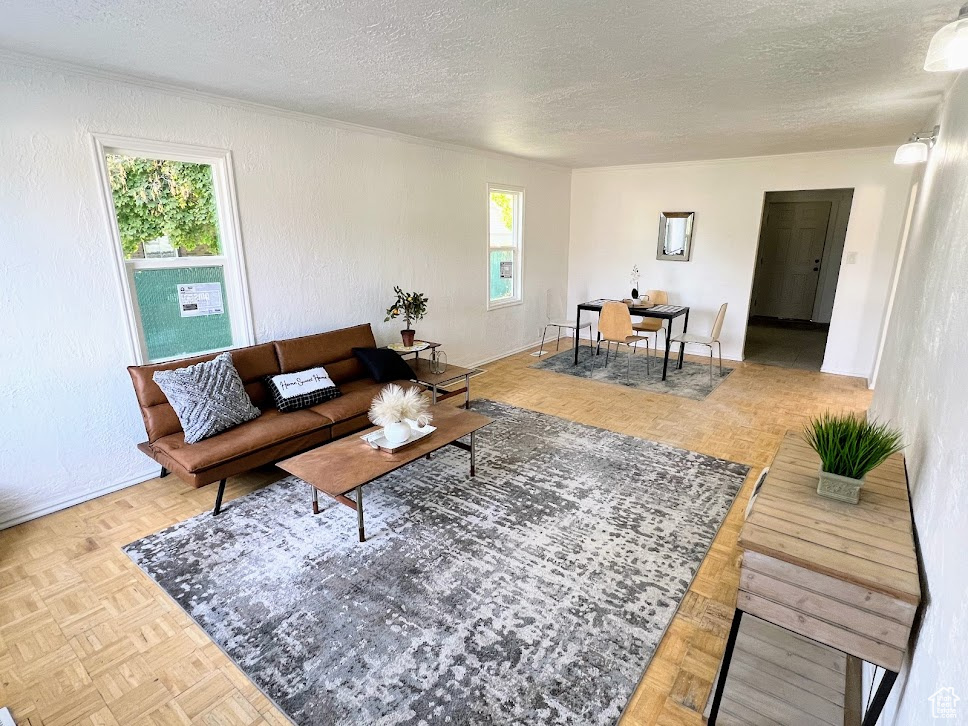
(383, 364)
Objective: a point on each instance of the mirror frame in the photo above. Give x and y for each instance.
(687, 249)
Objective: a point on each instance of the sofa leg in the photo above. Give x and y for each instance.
(218, 497)
(164, 473)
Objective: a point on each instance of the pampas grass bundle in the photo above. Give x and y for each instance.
(394, 404)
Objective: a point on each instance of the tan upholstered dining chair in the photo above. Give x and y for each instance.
(652, 326)
(707, 340)
(615, 326)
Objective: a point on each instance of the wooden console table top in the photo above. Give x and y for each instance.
(870, 544)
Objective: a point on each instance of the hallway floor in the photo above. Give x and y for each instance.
(785, 343)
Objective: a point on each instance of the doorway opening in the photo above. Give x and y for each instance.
(797, 267)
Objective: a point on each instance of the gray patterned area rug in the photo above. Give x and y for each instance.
(691, 381)
(534, 593)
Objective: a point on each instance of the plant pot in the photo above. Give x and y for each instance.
(841, 488)
(407, 336)
(397, 433)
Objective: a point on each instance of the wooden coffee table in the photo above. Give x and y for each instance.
(338, 468)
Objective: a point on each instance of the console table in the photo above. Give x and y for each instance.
(841, 574)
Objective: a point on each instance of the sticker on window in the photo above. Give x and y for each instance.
(506, 270)
(200, 298)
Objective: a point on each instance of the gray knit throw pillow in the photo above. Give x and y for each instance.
(207, 397)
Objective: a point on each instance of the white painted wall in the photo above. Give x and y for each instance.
(922, 387)
(615, 220)
(331, 219)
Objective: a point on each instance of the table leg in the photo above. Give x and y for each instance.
(315, 499)
(880, 697)
(359, 512)
(433, 390)
(473, 452)
(665, 362)
(724, 668)
(467, 391)
(577, 328)
(682, 346)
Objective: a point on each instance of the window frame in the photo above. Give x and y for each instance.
(232, 259)
(517, 257)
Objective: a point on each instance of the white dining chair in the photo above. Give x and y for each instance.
(568, 325)
(707, 340)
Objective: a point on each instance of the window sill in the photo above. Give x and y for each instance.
(499, 305)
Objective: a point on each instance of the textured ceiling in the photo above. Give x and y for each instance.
(570, 82)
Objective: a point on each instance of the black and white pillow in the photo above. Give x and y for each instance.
(302, 389)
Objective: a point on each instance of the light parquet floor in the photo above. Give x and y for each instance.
(86, 638)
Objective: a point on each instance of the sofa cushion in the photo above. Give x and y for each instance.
(271, 428)
(383, 364)
(253, 363)
(355, 401)
(208, 397)
(333, 350)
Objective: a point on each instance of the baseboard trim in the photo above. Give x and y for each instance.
(523, 348)
(20, 518)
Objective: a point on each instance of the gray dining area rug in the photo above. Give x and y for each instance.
(535, 592)
(690, 381)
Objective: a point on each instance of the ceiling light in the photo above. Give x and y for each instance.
(911, 153)
(915, 151)
(949, 46)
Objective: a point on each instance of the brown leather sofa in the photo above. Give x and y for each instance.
(273, 435)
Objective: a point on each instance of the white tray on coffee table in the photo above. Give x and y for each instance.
(377, 440)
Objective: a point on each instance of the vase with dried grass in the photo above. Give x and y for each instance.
(394, 408)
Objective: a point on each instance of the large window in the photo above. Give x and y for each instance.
(176, 240)
(505, 218)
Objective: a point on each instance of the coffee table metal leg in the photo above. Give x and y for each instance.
(315, 499)
(472, 453)
(433, 389)
(359, 512)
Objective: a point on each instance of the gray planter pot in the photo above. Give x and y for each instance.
(841, 488)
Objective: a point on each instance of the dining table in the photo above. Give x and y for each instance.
(643, 310)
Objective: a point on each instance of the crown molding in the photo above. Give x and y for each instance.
(734, 159)
(52, 65)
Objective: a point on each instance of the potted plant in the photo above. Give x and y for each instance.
(410, 306)
(394, 407)
(634, 279)
(849, 447)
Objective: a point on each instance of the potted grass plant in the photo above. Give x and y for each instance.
(849, 447)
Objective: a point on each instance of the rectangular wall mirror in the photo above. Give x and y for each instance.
(675, 236)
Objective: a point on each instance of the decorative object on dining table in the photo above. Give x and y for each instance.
(634, 280)
(438, 361)
(849, 447)
(675, 236)
(411, 306)
(394, 406)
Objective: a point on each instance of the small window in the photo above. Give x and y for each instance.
(173, 218)
(505, 215)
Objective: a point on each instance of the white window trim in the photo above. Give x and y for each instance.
(518, 298)
(232, 260)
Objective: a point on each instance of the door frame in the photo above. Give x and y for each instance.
(833, 250)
